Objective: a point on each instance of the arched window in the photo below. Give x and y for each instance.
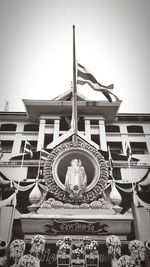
(8, 127)
(135, 129)
(112, 129)
(31, 127)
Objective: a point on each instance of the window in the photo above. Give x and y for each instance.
(117, 173)
(94, 122)
(31, 128)
(8, 127)
(48, 139)
(7, 146)
(115, 147)
(65, 123)
(95, 138)
(112, 129)
(32, 143)
(138, 148)
(33, 172)
(49, 121)
(81, 124)
(134, 129)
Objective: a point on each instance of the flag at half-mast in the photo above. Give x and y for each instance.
(1, 151)
(128, 151)
(110, 162)
(85, 77)
(27, 148)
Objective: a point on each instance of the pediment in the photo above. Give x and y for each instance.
(67, 96)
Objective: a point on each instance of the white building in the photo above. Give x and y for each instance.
(46, 124)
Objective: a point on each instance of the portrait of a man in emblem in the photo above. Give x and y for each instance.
(76, 178)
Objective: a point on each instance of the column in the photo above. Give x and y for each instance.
(41, 134)
(146, 129)
(56, 129)
(17, 139)
(102, 134)
(87, 129)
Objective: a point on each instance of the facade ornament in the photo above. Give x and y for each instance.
(27, 261)
(115, 197)
(35, 195)
(113, 244)
(137, 250)
(17, 248)
(75, 180)
(84, 193)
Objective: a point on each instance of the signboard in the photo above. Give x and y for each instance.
(74, 227)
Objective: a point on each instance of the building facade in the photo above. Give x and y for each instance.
(47, 125)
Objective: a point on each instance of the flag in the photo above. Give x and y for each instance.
(27, 148)
(1, 151)
(128, 151)
(84, 76)
(44, 154)
(110, 162)
(87, 77)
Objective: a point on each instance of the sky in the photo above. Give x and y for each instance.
(112, 42)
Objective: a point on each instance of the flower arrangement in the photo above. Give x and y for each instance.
(113, 244)
(59, 243)
(17, 248)
(87, 240)
(67, 240)
(38, 245)
(64, 245)
(125, 261)
(27, 261)
(78, 252)
(137, 250)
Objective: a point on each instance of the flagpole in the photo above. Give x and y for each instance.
(23, 155)
(74, 104)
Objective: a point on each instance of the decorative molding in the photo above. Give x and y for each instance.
(94, 189)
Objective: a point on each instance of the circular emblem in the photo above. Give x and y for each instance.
(75, 172)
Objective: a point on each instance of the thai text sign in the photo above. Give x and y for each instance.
(75, 227)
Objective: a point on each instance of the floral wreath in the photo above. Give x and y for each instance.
(27, 261)
(38, 245)
(137, 250)
(113, 244)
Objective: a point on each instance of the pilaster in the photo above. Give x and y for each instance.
(87, 129)
(102, 134)
(56, 129)
(41, 134)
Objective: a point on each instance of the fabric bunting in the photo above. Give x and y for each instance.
(5, 202)
(127, 190)
(142, 202)
(23, 188)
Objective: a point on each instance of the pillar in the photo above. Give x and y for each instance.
(41, 134)
(56, 129)
(87, 129)
(18, 139)
(102, 134)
